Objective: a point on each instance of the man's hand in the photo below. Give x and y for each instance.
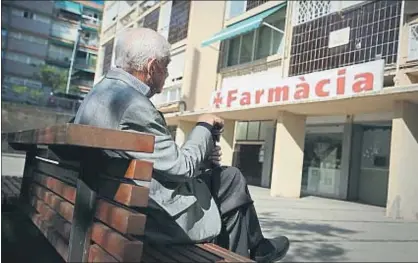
(211, 119)
(215, 156)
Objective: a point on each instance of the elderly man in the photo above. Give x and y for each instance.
(187, 205)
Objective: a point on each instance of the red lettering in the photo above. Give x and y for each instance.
(278, 94)
(363, 82)
(245, 99)
(341, 82)
(231, 97)
(319, 88)
(258, 95)
(302, 90)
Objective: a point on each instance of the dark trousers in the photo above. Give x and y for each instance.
(240, 226)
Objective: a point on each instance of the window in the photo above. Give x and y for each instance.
(29, 38)
(24, 58)
(27, 14)
(235, 8)
(258, 44)
(151, 20)
(179, 21)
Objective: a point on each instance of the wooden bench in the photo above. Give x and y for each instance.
(90, 201)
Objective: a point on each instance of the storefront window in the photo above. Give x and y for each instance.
(241, 132)
(322, 164)
(253, 129)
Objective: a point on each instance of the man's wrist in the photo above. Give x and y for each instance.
(206, 125)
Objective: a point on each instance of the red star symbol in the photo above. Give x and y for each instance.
(217, 100)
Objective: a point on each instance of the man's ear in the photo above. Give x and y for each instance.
(152, 63)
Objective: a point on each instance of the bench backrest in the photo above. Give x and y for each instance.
(86, 201)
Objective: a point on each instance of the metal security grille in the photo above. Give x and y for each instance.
(373, 33)
(413, 42)
(179, 21)
(310, 10)
(254, 3)
(151, 20)
(107, 60)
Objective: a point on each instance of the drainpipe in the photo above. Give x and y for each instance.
(70, 71)
(401, 29)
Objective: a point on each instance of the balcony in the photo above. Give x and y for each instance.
(58, 59)
(413, 42)
(19, 69)
(26, 24)
(64, 31)
(27, 47)
(82, 64)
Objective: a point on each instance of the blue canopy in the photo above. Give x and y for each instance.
(243, 26)
(69, 6)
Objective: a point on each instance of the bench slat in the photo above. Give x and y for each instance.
(49, 215)
(85, 136)
(63, 208)
(115, 244)
(226, 254)
(53, 237)
(124, 221)
(62, 189)
(97, 254)
(134, 169)
(126, 194)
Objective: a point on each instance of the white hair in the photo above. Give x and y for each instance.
(136, 46)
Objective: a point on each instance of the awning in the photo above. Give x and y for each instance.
(69, 6)
(243, 26)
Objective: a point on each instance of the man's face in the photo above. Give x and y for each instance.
(158, 73)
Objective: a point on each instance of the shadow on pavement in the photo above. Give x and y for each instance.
(311, 241)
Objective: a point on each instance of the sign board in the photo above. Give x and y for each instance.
(339, 37)
(264, 88)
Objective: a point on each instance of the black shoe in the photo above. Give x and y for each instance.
(271, 250)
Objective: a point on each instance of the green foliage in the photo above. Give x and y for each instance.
(35, 94)
(19, 89)
(53, 77)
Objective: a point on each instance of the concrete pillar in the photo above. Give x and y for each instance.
(288, 155)
(183, 130)
(403, 171)
(227, 143)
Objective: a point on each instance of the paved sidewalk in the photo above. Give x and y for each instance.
(330, 230)
(320, 229)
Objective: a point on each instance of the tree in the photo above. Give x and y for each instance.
(53, 77)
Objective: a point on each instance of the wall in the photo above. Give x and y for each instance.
(201, 63)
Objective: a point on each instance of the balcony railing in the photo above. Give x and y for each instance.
(81, 63)
(169, 95)
(413, 42)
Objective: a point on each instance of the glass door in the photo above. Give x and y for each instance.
(321, 173)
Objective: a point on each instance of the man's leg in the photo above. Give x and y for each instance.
(241, 230)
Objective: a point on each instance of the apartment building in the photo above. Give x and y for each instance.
(319, 97)
(37, 33)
